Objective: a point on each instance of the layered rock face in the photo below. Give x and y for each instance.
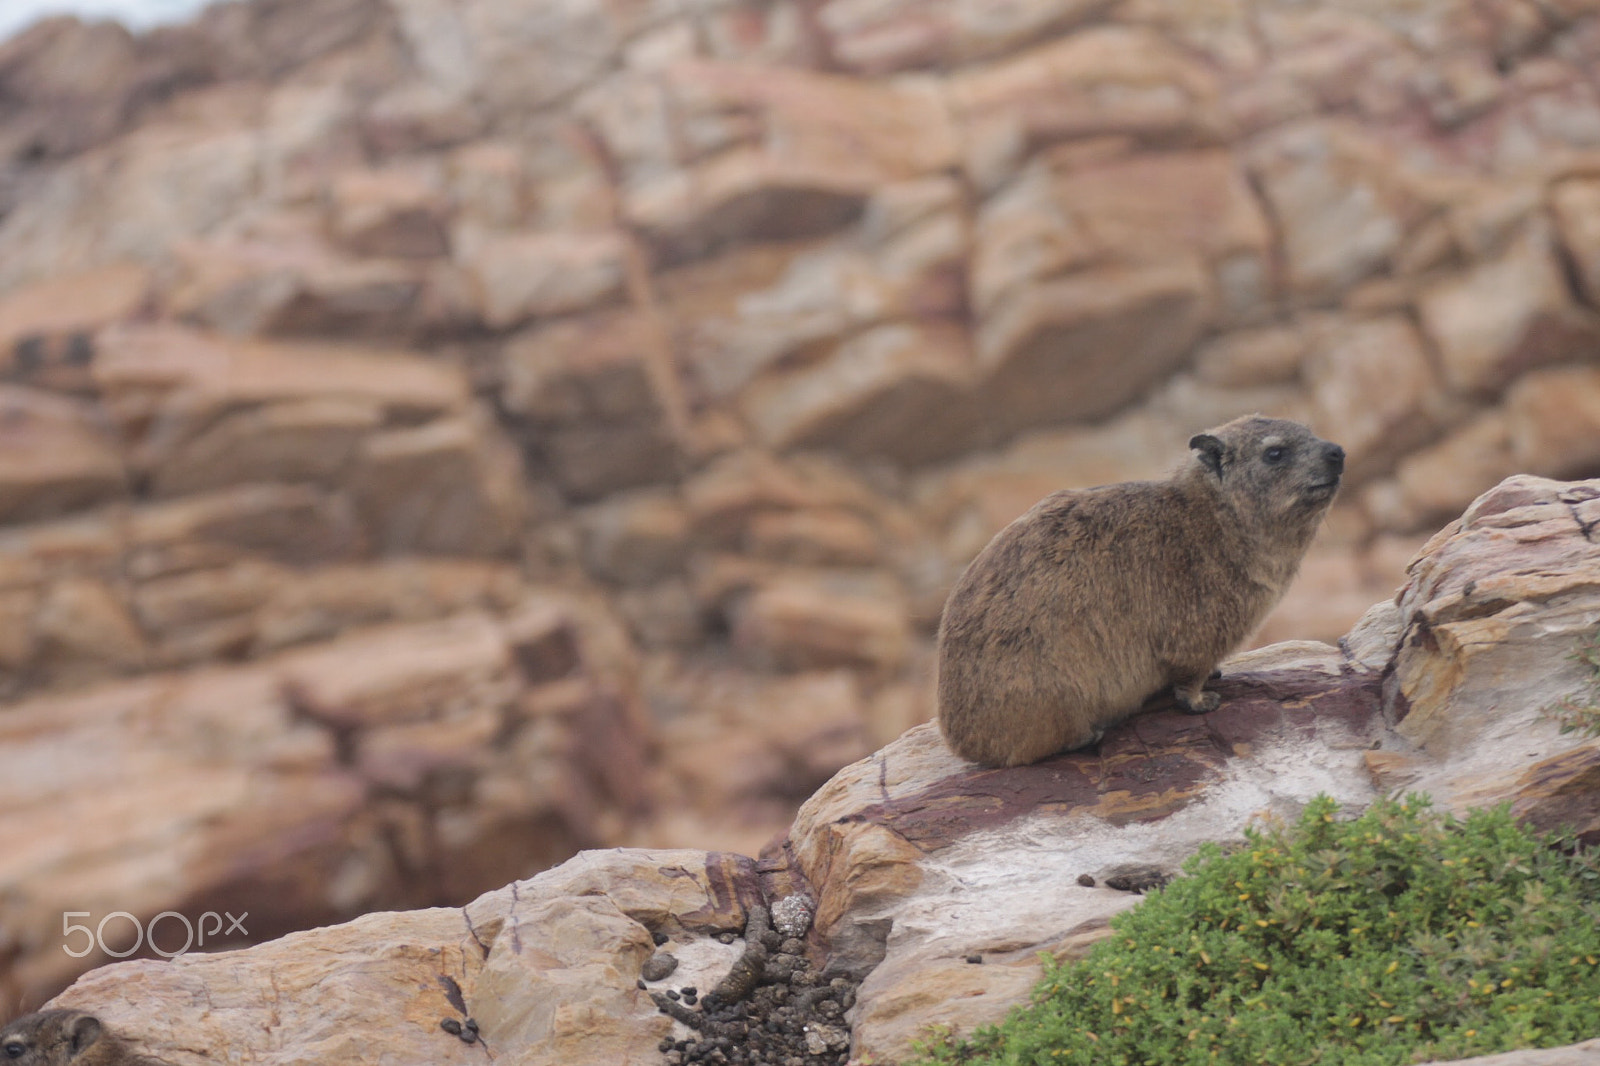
(937, 884)
(438, 436)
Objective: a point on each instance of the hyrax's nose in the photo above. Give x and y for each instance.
(1335, 456)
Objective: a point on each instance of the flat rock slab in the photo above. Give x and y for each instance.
(921, 860)
(548, 968)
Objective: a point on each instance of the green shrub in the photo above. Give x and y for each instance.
(1400, 936)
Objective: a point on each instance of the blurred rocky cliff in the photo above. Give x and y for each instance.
(438, 435)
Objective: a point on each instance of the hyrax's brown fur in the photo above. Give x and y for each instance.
(64, 1038)
(1096, 599)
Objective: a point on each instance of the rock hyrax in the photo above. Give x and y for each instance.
(64, 1038)
(1096, 599)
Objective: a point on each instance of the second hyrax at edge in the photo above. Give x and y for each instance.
(1096, 599)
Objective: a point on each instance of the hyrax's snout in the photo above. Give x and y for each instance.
(1320, 472)
(1333, 455)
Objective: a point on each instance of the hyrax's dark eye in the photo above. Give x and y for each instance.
(15, 1049)
(1274, 454)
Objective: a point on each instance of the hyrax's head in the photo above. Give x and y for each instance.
(1272, 471)
(48, 1038)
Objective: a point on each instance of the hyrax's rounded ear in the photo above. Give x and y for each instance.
(84, 1032)
(1210, 449)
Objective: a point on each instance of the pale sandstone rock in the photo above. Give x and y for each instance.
(571, 373)
(636, 537)
(591, 461)
(1082, 346)
(181, 379)
(794, 624)
(819, 536)
(1506, 316)
(808, 150)
(727, 495)
(1335, 586)
(171, 175)
(1553, 421)
(545, 966)
(80, 303)
(665, 614)
(1573, 1055)
(451, 487)
(400, 674)
(299, 787)
(291, 283)
(388, 214)
(1486, 647)
(597, 401)
(1576, 205)
(490, 184)
(323, 602)
(1372, 385)
(1263, 356)
(901, 390)
(737, 761)
(159, 182)
(519, 276)
(875, 37)
(66, 115)
(1444, 477)
(1195, 405)
(1158, 206)
(312, 440)
(83, 621)
(18, 646)
(253, 606)
(289, 523)
(1125, 80)
(516, 59)
(85, 544)
(1343, 209)
(173, 602)
(55, 456)
(905, 260)
(419, 117)
(1025, 232)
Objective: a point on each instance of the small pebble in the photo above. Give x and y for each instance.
(659, 938)
(975, 959)
(727, 938)
(470, 1025)
(1086, 880)
(639, 983)
(672, 993)
(658, 966)
(451, 1026)
(689, 990)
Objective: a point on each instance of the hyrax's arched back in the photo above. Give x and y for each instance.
(1097, 598)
